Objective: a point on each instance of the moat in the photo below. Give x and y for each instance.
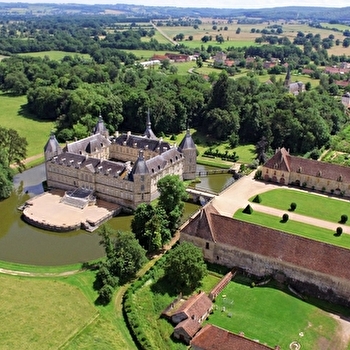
(22, 243)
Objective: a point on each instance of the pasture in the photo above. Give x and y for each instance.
(274, 316)
(296, 228)
(313, 205)
(13, 115)
(55, 55)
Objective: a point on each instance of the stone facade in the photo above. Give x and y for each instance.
(122, 169)
(316, 268)
(286, 169)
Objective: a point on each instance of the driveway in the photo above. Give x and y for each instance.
(237, 195)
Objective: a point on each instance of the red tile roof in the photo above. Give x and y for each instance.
(214, 338)
(287, 248)
(189, 326)
(282, 160)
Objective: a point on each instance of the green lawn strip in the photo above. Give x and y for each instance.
(320, 207)
(12, 115)
(38, 269)
(41, 313)
(272, 316)
(296, 228)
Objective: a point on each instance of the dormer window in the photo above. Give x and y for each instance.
(340, 178)
(319, 174)
(300, 170)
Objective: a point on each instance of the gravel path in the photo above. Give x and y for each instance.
(237, 195)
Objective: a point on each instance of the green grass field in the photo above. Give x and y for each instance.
(56, 55)
(296, 228)
(41, 313)
(13, 115)
(274, 316)
(51, 313)
(320, 207)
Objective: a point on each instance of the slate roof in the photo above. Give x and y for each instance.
(142, 142)
(282, 160)
(148, 132)
(289, 248)
(159, 162)
(187, 142)
(52, 145)
(214, 338)
(140, 166)
(100, 127)
(89, 144)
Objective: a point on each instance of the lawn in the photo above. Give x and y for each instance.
(58, 312)
(295, 227)
(56, 55)
(316, 206)
(13, 115)
(41, 313)
(273, 316)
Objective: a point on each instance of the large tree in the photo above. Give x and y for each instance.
(13, 148)
(172, 194)
(150, 226)
(185, 267)
(124, 257)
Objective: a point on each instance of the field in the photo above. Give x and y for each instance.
(274, 316)
(320, 207)
(56, 55)
(41, 314)
(13, 115)
(296, 228)
(51, 313)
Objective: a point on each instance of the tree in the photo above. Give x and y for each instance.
(13, 148)
(172, 194)
(5, 181)
(150, 226)
(124, 257)
(185, 267)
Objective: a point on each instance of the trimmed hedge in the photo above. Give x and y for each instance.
(248, 209)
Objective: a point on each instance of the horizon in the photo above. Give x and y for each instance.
(225, 4)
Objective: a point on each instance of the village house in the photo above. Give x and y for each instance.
(345, 99)
(122, 169)
(295, 88)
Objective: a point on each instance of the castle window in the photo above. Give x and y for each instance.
(142, 188)
(207, 245)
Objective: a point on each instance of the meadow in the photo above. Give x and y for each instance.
(55, 55)
(316, 206)
(13, 115)
(272, 315)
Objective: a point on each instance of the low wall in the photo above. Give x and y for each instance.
(47, 226)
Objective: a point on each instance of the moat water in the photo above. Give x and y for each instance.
(22, 243)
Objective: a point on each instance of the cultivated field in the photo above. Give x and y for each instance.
(273, 315)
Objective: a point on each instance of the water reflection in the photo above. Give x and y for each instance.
(22, 243)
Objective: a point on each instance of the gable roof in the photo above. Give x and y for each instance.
(288, 248)
(187, 142)
(195, 307)
(52, 145)
(214, 338)
(282, 160)
(89, 144)
(189, 326)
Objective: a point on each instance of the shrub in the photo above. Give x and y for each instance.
(339, 231)
(258, 175)
(293, 206)
(257, 199)
(285, 217)
(248, 209)
(343, 219)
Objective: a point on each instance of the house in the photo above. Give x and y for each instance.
(336, 70)
(294, 88)
(175, 57)
(123, 168)
(188, 315)
(345, 99)
(220, 58)
(311, 267)
(286, 169)
(215, 338)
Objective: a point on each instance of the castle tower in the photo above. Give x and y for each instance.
(148, 132)
(141, 177)
(100, 127)
(189, 150)
(52, 148)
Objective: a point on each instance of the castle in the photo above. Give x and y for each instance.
(123, 168)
